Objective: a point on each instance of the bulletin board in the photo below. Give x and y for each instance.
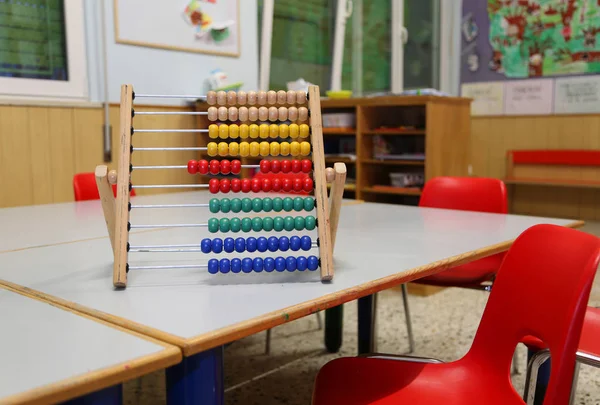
(202, 26)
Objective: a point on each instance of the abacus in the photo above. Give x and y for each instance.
(245, 125)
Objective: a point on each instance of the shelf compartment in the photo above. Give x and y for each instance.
(394, 162)
(395, 132)
(392, 190)
(339, 131)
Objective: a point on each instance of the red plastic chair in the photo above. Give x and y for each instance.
(561, 263)
(84, 187)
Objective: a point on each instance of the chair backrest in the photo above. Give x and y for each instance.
(541, 290)
(84, 187)
(465, 193)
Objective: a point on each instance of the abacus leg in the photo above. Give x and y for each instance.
(366, 324)
(334, 327)
(108, 396)
(198, 379)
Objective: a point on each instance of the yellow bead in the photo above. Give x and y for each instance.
(244, 131)
(264, 131)
(274, 148)
(284, 131)
(212, 149)
(274, 131)
(234, 131)
(253, 128)
(223, 131)
(264, 148)
(254, 149)
(223, 149)
(294, 131)
(284, 148)
(244, 149)
(304, 131)
(294, 148)
(234, 148)
(213, 131)
(304, 148)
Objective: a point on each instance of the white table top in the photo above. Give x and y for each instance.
(378, 246)
(52, 354)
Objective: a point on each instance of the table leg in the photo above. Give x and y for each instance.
(108, 396)
(366, 324)
(198, 379)
(334, 327)
(543, 378)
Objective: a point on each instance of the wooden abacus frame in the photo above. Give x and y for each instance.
(116, 212)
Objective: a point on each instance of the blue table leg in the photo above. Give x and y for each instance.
(543, 378)
(334, 327)
(366, 324)
(198, 379)
(108, 396)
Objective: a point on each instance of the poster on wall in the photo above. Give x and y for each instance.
(577, 95)
(202, 26)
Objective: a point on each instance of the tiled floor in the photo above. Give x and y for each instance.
(444, 325)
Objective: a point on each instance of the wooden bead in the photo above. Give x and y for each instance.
(261, 98)
(252, 113)
(292, 113)
(212, 113)
(213, 131)
(234, 131)
(223, 148)
(221, 97)
(251, 97)
(302, 114)
(242, 113)
(264, 148)
(254, 149)
(304, 148)
(284, 148)
(284, 131)
(329, 174)
(112, 177)
(211, 98)
(263, 113)
(232, 113)
(274, 146)
(283, 113)
(244, 130)
(281, 97)
(294, 131)
(300, 97)
(273, 113)
(271, 97)
(263, 131)
(274, 131)
(223, 113)
(212, 149)
(294, 148)
(241, 97)
(253, 131)
(291, 97)
(304, 130)
(231, 98)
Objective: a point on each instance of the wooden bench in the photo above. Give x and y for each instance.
(556, 168)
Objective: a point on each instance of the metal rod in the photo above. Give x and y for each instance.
(146, 226)
(171, 186)
(249, 166)
(168, 130)
(169, 205)
(163, 250)
(190, 96)
(159, 167)
(171, 113)
(193, 245)
(172, 266)
(201, 148)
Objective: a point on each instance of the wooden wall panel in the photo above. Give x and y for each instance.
(15, 168)
(41, 169)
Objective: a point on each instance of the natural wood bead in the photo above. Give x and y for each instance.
(329, 174)
(211, 98)
(283, 114)
(242, 113)
(302, 114)
(281, 97)
(221, 97)
(241, 97)
(212, 113)
(223, 113)
(291, 97)
(261, 98)
(300, 97)
(112, 177)
(271, 97)
(251, 97)
(252, 113)
(231, 98)
(232, 113)
(263, 113)
(273, 113)
(293, 113)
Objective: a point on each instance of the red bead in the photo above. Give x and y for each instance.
(192, 167)
(296, 166)
(287, 185)
(225, 185)
(213, 186)
(225, 166)
(203, 166)
(308, 185)
(215, 166)
(246, 185)
(275, 166)
(298, 183)
(265, 166)
(256, 185)
(286, 166)
(236, 185)
(236, 167)
(267, 185)
(276, 184)
(306, 165)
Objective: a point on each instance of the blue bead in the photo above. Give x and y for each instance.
(213, 266)
(236, 265)
(217, 245)
(251, 244)
(284, 243)
(262, 244)
(269, 264)
(228, 245)
(301, 263)
(240, 245)
(306, 243)
(313, 263)
(290, 263)
(257, 264)
(273, 244)
(205, 245)
(295, 243)
(224, 266)
(280, 264)
(247, 265)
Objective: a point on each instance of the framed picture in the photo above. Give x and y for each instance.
(202, 26)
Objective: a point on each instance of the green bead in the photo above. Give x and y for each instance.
(235, 224)
(310, 223)
(268, 224)
(257, 224)
(298, 204)
(288, 204)
(224, 225)
(213, 225)
(278, 224)
(309, 204)
(246, 224)
(277, 204)
(225, 205)
(214, 205)
(246, 204)
(257, 205)
(288, 223)
(299, 223)
(268, 204)
(236, 205)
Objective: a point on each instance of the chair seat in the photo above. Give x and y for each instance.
(468, 274)
(361, 380)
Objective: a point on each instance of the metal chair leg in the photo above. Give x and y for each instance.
(319, 320)
(268, 342)
(531, 375)
(411, 339)
(515, 363)
(574, 384)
